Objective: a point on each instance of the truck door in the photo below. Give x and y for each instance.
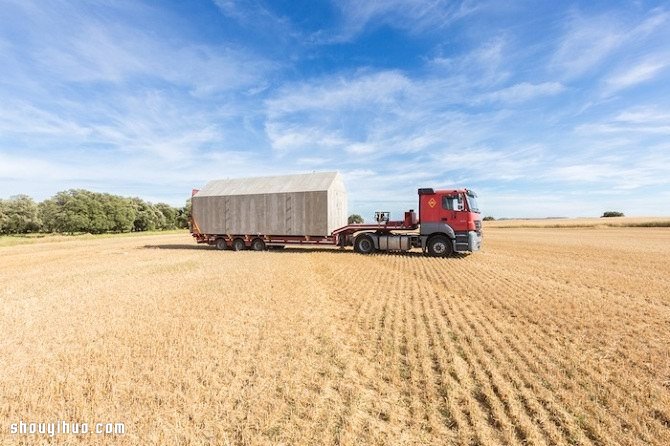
(440, 207)
(453, 211)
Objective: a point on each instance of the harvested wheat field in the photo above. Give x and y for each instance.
(617, 222)
(548, 336)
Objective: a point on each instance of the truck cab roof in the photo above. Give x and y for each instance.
(431, 191)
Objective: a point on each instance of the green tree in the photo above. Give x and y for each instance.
(169, 215)
(612, 214)
(3, 217)
(184, 215)
(19, 215)
(355, 219)
(120, 213)
(99, 220)
(71, 211)
(47, 211)
(489, 218)
(78, 210)
(147, 217)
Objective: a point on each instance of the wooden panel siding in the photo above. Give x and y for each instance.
(273, 205)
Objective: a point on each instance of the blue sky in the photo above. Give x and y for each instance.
(543, 108)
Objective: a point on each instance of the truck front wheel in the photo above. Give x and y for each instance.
(439, 246)
(364, 244)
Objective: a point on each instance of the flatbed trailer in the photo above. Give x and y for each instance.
(340, 237)
(450, 222)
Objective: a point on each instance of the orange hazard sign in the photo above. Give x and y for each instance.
(432, 202)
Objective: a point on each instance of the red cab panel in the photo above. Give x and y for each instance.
(444, 206)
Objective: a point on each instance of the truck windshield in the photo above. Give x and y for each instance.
(472, 201)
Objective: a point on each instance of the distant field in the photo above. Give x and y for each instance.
(547, 336)
(648, 222)
(22, 239)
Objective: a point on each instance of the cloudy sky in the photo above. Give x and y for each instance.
(543, 108)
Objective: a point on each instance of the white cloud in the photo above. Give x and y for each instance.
(336, 92)
(410, 15)
(287, 137)
(478, 164)
(586, 43)
(489, 64)
(20, 117)
(337, 113)
(640, 72)
(510, 204)
(524, 91)
(74, 45)
(361, 148)
(630, 126)
(613, 127)
(648, 170)
(314, 161)
(643, 115)
(590, 40)
(376, 115)
(252, 14)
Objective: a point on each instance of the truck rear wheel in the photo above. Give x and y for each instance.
(220, 244)
(238, 244)
(364, 244)
(258, 245)
(439, 246)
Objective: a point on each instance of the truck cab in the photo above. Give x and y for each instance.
(452, 214)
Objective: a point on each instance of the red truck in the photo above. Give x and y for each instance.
(449, 222)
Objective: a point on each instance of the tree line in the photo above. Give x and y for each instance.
(79, 211)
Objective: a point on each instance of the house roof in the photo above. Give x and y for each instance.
(309, 182)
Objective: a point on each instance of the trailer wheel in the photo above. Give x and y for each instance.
(220, 244)
(364, 244)
(258, 245)
(238, 244)
(439, 246)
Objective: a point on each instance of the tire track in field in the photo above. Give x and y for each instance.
(522, 429)
(461, 346)
(523, 436)
(533, 403)
(539, 333)
(612, 422)
(436, 411)
(423, 376)
(372, 333)
(504, 408)
(484, 432)
(492, 407)
(539, 368)
(468, 400)
(343, 423)
(524, 406)
(415, 375)
(394, 330)
(446, 380)
(481, 432)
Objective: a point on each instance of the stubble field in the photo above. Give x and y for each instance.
(548, 336)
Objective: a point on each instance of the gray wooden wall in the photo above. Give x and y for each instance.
(295, 213)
